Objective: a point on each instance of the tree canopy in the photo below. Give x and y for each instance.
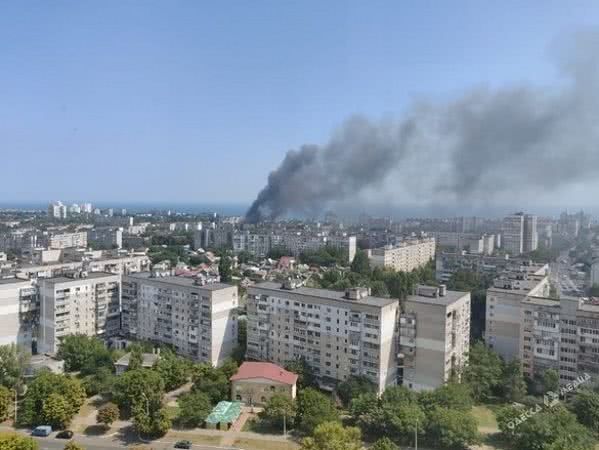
(83, 353)
(333, 436)
(314, 408)
(194, 407)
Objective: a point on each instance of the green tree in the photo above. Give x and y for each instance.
(136, 357)
(100, 382)
(55, 411)
(6, 399)
(586, 408)
(552, 428)
(224, 269)
(384, 444)
(361, 264)
(155, 424)
(354, 386)
(514, 385)
(507, 418)
(83, 353)
(314, 408)
(137, 387)
(484, 372)
(108, 414)
(211, 381)
(57, 396)
(174, 371)
(13, 362)
(550, 380)
(306, 377)
(15, 441)
(452, 428)
(279, 410)
(452, 396)
(72, 445)
(194, 407)
(378, 288)
(365, 412)
(333, 436)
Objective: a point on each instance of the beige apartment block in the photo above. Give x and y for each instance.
(198, 320)
(503, 310)
(338, 333)
(85, 303)
(18, 306)
(405, 256)
(434, 335)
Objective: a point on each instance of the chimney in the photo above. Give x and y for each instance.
(442, 290)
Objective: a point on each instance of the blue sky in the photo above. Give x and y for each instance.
(193, 101)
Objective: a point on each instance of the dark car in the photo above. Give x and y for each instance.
(183, 444)
(66, 434)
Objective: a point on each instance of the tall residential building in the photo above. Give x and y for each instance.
(199, 321)
(18, 306)
(503, 318)
(434, 336)
(87, 304)
(529, 232)
(339, 334)
(57, 210)
(513, 234)
(405, 256)
(559, 335)
(595, 271)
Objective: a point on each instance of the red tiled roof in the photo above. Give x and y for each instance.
(264, 370)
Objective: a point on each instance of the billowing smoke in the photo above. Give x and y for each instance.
(520, 139)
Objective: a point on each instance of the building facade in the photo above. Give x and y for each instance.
(338, 334)
(199, 321)
(512, 234)
(405, 256)
(434, 336)
(87, 304)
(18, 312)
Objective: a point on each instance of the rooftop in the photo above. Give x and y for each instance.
(444, 300)
(148, 359)
(89, 276)
(264, 370)
(325, 294)
(179, 281)
(4, 281)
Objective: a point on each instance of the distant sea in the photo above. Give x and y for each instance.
(227, 209)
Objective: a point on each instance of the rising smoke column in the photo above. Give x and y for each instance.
(516, 139)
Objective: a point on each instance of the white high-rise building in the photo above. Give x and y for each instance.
(530, 236)
(18, 303)
(57, 210)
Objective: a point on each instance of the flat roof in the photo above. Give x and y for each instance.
(543, 301)
(325, 294)
(90, 276)
(179, 281)
(4, 281)
(445, 300)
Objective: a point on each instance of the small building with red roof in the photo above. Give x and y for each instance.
(255, 382)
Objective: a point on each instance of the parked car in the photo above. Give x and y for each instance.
(183, 444)
(65, 434)
(42, 430)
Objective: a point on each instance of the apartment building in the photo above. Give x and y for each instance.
(106, 237)
(512, 234)
(434, 335)
(260, 243)
(198, 320)
(338, 333)
(530, 236)
(18, 312)
(562, 335)
(67, 240)
(405, 256)
(85, 303)
(57, 210)
(503, 311)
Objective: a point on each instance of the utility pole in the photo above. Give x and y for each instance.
(285, 424)
(416, 436)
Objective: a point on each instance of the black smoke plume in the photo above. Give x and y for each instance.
(518, 139)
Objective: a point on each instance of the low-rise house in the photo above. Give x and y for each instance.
(256, 382)
(149, 359)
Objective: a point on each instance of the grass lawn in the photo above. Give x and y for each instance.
(263, 444)
(195, 438)
(255, 425)
(486, 419)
